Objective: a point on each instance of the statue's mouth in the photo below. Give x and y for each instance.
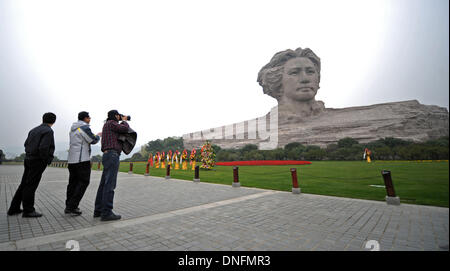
(304, 89)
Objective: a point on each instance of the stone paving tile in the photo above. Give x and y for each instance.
(135, 196)
(250, 238)
(276, 221)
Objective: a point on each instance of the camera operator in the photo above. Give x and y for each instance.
(111, 148)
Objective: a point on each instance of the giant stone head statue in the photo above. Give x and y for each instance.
(292, 77)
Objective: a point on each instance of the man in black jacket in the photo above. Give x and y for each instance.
(39, 149)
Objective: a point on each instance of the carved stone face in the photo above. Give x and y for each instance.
(300, 80)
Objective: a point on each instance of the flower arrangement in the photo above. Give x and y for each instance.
(208, 157)
(175, 159)
(150, 159)
(157, 159)
(169, 157)
(192, 156)
(183, 160)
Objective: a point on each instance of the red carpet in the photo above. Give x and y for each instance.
(263, 163)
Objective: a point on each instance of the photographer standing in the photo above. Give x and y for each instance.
(111, 148)
(39, 149)
(79, 159)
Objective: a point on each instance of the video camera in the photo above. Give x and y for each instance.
(128, 117)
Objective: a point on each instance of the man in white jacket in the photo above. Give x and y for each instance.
(79, 160)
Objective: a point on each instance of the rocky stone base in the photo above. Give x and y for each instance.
(408, 120)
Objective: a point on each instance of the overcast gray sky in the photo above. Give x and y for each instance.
(183, 66)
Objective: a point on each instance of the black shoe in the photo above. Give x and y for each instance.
(32, 214)
(97, 214)
(73, 212)
(14, 212)
(111, 217)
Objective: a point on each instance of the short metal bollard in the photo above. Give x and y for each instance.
(147, 170)
(236, 182)
(168, 172)
(295, 188)
(391, 198)
(131, 169)
(197, 174)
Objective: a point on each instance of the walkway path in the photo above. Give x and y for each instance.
(160, 214)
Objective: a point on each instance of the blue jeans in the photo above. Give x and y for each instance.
(105, 192)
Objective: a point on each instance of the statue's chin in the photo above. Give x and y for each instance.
(297, 101)
(304, 100)
(298, 110)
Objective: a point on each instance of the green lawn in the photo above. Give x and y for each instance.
(425, 183)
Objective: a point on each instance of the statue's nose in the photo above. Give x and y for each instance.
(304, 78)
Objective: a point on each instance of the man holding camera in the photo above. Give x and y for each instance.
(79, 159)
(111, 148)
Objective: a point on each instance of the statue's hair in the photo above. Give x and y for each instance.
(269, 77)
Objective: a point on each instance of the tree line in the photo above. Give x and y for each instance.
(2, 156)
(20, 158)
(346, 149)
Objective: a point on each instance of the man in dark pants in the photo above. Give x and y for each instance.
(79, 160)
(39, 149)
(111, 148)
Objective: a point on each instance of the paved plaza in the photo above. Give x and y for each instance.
(178, 215)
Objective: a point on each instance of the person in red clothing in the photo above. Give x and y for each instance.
(111, 148)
